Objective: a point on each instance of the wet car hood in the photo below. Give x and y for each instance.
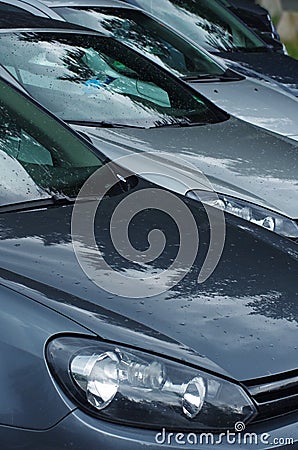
(239, 159)
(256, 102)
(242, 322)
(279, 67)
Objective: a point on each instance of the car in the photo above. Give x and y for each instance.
(85, 365)
(245, 98)
(255, 16)
(215, 28)
(34, 8)
(127, 104)
(258, 19)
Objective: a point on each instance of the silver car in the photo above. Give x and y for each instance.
(252, 100)
(126, 103)
(214, 27)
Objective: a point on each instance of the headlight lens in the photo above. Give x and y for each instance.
(134, 388)
(248, 211)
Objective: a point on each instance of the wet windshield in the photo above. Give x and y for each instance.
(146, 35)
(39, 157)
(206, 22)
(88, 78)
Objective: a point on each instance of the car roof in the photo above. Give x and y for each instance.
(19, 21)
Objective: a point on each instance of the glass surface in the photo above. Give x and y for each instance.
(147, 36)
(93, 79)
(39, 157)
(206, 22)
(7, 8)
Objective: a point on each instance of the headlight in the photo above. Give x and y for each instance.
(248, 211)
(134, 388)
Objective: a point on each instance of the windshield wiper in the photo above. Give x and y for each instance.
(54, 200)
(228, 75)
(100, 124)
(180, 124)
(261, 49)
(201, 77)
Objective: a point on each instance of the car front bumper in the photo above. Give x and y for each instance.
(78, 431)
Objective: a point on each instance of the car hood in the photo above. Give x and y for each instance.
(279, 67)
(242, 322)
(255, 102)
(238, 159)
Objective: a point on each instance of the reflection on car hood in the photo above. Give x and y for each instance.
(255, 102)
(279, 67)
(239, 159)
(242, 321)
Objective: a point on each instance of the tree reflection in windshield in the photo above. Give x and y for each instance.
(146, 35)
(88, 78)
(206, 22)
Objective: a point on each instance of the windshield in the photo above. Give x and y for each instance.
(206, 22)
(89, 78)
(11, 9)
(148, 36)
(39, 157)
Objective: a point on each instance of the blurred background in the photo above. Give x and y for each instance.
(285, 17)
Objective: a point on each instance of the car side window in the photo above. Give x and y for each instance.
(18, 144)
(34, 163)
(30, 151)
(16, 149)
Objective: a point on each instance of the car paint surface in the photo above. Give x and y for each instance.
(78, 431)
(237, 317)
(248, 163)
(255, 102)
(242, 313)
(281, 68)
